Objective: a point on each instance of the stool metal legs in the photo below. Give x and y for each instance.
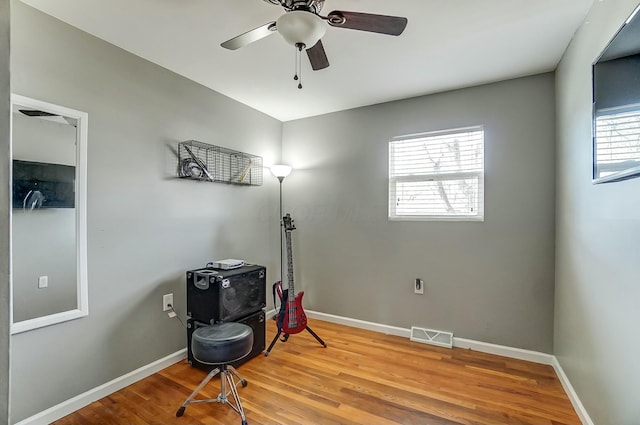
(227, 377)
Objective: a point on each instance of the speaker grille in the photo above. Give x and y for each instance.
(215, 295)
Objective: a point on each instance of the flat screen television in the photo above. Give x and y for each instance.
(39, 185)
(616, 106)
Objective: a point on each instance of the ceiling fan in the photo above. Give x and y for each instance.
(303, 27)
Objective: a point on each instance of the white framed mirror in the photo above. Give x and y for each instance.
(48, 215)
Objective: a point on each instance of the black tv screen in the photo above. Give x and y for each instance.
(41, 185)
(616, 106)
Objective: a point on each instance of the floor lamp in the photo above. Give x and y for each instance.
(280, 172)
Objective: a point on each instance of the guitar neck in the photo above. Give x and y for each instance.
(291, 293)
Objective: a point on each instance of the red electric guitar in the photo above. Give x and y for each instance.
(291, 317)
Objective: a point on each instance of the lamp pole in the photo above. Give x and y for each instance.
(280, 179)
(280, 172)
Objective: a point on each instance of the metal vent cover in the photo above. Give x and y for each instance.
(431, 336)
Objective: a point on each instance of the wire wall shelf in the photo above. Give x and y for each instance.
(204, 162)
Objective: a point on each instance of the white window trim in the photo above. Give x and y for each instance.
(479, 217)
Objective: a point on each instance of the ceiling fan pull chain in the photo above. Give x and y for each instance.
(299, 46)
(300, 69)
(295, 65)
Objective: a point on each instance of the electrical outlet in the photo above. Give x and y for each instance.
(167, 300)
(418, 286)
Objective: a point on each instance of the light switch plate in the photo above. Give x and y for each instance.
(43, 282)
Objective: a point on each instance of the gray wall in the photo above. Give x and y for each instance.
(4, 210)
(490, 281)
(145, 227)
(598, 228)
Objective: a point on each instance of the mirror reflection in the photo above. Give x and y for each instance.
(48, 254)
(616, 106)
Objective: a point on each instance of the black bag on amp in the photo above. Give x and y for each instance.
(257, 323)
(218, 295)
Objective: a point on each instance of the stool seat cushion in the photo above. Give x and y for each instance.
(222, 343)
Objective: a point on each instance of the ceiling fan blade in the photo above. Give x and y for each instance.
(383, 24)
(250, 36)
(318, 57)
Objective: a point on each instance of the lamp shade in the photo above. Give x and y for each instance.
(303, 27)
(281, 171)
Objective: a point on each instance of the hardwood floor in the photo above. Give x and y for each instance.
(362, 377)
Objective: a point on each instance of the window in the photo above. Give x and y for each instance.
(617, 147)
(437, 176)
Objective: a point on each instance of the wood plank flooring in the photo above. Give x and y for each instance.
(362, 377)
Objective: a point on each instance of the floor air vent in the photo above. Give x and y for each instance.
(431, 336)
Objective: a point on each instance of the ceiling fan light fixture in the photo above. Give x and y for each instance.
(300, 26)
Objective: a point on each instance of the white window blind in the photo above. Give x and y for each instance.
(617, 141)
(437, 176)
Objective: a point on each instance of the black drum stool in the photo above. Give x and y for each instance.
(219, 345)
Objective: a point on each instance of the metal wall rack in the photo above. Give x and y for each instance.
(205, 162)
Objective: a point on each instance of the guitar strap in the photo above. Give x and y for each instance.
(274, 298)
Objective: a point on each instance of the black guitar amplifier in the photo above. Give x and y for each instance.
(218, 295)
(257, 323)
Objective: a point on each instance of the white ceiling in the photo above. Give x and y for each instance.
(447, 44)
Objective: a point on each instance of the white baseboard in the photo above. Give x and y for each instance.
(571, 393)
(59, 411)
(67, 407)
(503, 350)
(362, 324)
(484, 347)
(269, 314)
